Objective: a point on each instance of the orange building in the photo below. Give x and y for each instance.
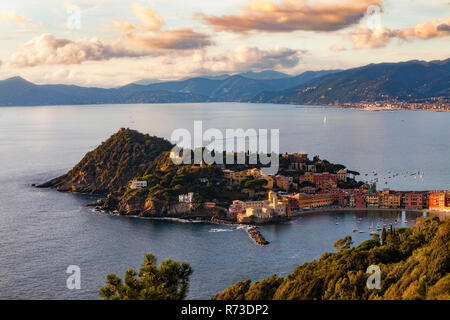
(439, 200)
(313, 201)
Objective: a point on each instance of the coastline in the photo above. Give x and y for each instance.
(217, 221)
(444, 214)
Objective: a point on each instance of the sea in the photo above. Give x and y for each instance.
(43, 232)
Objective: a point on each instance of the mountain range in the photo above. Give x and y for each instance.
(404, 81)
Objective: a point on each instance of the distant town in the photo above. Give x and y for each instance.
(433, 104)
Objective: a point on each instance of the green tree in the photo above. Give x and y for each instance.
(344, 243)
(168, 282)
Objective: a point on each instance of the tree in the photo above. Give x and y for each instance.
(344, 243)
(168, 282)
(383, 236)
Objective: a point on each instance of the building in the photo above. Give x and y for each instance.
(307, 201)
(264, 210)
(373, 200)
(342, 175)
(310, 190)
(339, 197)
(439, 200)
(360, 201)
(186, 198)
(283, 182)
(325, 179)
(210, 204)
(137, 184)
(235, 209)
(391, 200)
(413, 201)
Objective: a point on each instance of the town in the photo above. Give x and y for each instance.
(303, 185)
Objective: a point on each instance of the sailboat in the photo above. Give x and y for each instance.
(324, 120)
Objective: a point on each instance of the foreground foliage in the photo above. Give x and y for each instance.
(168, 282)
(414, 263)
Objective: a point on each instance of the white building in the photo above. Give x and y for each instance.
(186, 198)
(136, 184)
(263, 210)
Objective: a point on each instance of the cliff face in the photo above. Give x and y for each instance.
(110, 167)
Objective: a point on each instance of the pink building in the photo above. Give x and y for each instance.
(360, 201)
(414, 200)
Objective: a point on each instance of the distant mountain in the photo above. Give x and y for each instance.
(262, 75)
(405, 81)
(19, 92)
(147, 81)
(265, 75)
(232, 88)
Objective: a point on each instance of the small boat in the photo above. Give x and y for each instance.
(355, 229)
(324, 120)
(361, 231)
(373, 233)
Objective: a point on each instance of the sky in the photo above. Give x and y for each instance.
(109, 43)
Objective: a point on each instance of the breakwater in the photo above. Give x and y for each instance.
(254, 233)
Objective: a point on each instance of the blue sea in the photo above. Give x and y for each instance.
(43, 231)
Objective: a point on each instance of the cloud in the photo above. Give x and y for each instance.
(149, 35)
(12, 16)
(291, 15)
(337, 48)
(136, 40)
(179, 39)
(364, 37)
(246, 59)
(148, 17)
(49, 50)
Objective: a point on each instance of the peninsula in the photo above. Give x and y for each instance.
(134, 175)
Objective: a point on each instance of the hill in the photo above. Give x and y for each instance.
(414, 263)
(111, 166)
(406, 81)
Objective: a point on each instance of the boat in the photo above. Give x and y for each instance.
(361, 231)
(355, 229)
(373, 233)
(324, 120)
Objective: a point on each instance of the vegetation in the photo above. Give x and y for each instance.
(168, 282)
(414, 263)
(113, 164)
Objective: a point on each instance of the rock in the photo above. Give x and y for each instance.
(254, 233)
